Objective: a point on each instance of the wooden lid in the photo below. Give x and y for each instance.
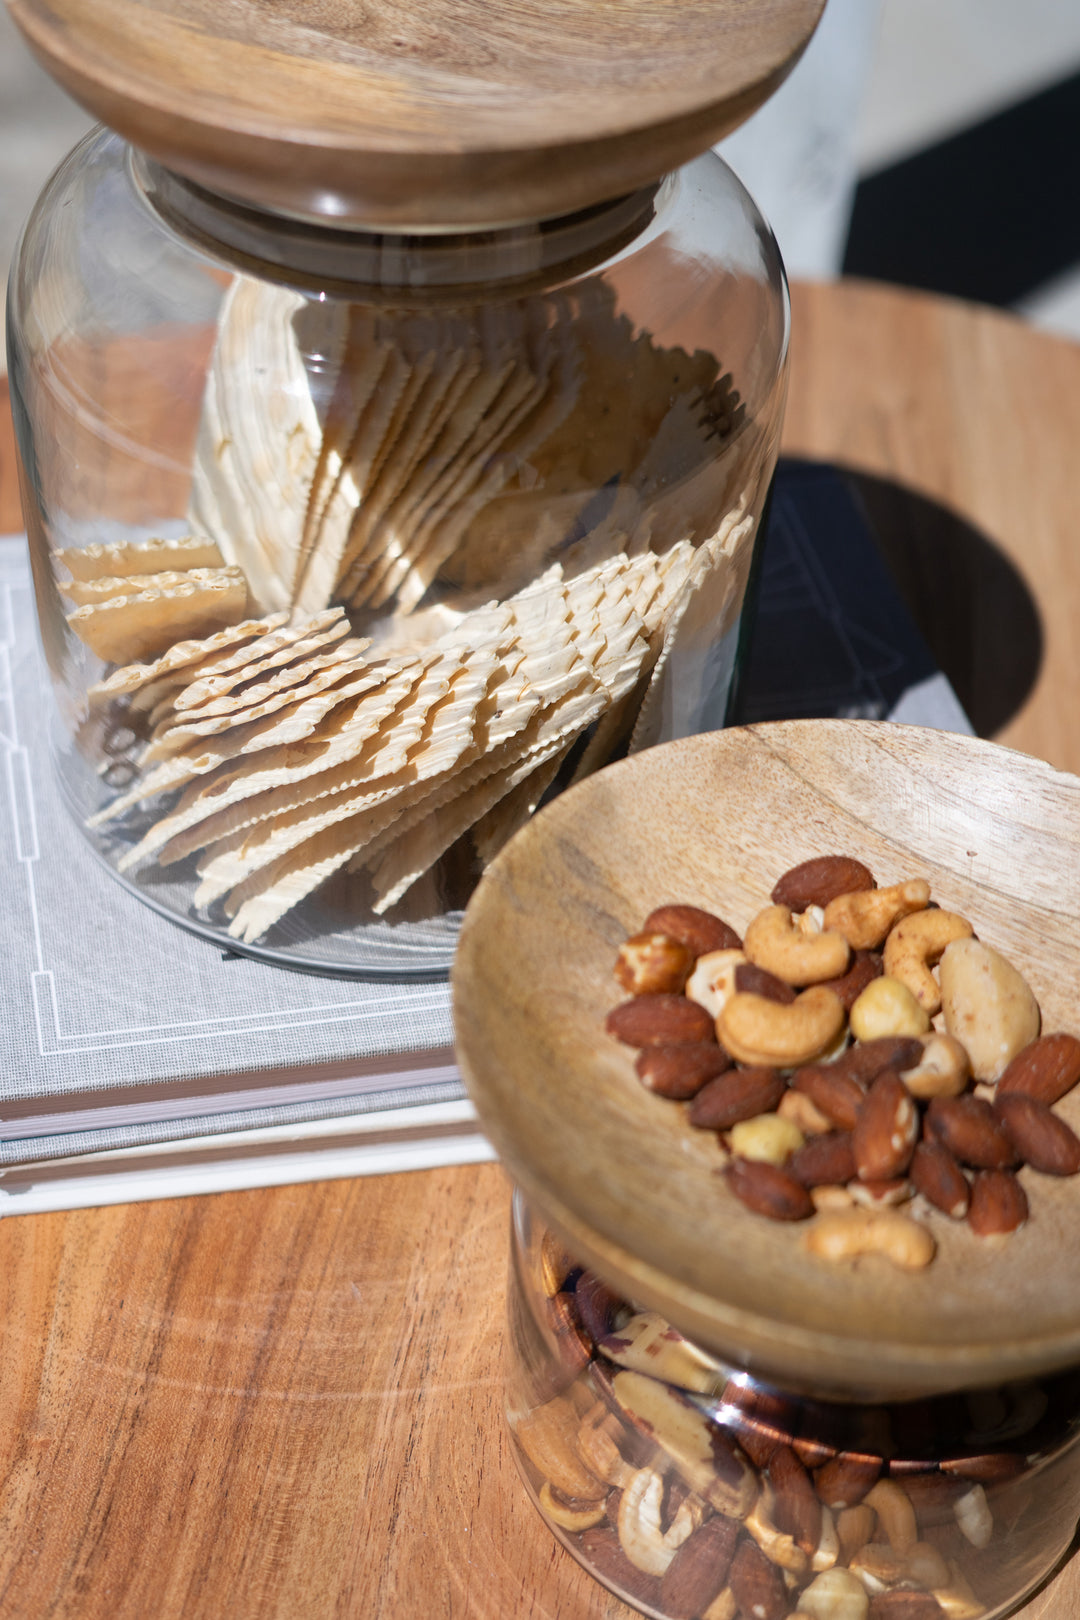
(630, 1186)
(451, 113)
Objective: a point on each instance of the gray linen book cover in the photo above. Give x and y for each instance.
(121, 1028)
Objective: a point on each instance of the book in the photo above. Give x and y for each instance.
(140, 1060)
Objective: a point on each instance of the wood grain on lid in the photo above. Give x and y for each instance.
(435, 112)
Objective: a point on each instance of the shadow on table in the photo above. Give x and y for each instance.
(864, 593)
(972, 606)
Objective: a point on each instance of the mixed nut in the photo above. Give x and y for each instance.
(697, 1493)
(810, 1046)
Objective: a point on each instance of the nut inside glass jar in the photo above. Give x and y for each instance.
(694, 1490)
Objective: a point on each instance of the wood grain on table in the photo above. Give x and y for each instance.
(287, 1402)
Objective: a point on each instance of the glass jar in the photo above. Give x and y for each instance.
(350, 547)
(694, 1490)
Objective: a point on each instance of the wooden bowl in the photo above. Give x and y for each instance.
(618, 1172)
(435, 113)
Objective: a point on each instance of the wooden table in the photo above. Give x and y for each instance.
(287, 1402)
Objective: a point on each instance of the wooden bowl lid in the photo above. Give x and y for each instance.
(632, 1189)
(430, 113)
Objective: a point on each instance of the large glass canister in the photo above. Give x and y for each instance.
(350, 547)
(696, 1491)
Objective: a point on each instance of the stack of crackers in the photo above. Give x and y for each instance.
(463, 541)
(299, 751)
(134, 599)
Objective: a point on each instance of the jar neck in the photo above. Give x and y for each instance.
(419, 267)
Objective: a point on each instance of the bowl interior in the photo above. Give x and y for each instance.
(634, 1191)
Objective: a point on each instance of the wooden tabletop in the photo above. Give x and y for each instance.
(287, 1402)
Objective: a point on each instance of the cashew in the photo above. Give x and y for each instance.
(866, 918)
(640, 1534)
(878, 1567)
(649, 1344)
(943, 1071)
(835, 1595)
(766, 1034)
(569, 1518)
(713, 979)
(887, 1007)
(988, 1006)
(828, 1547)
(810, 921)
(598, 1448)
(778, 1547)
(766, 1137)
(974, 1517)
(722, 1607)
(892, 1504)
(689, 1517)
(547, 1435)
(915, 943)
(776, 943)
(926, 1565)
(797, 1107)
(843, 1234)
(957, 1598)
(831, 1197)
(855, 1526)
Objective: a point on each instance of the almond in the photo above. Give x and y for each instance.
(998, 1203)
(768, 1190)
(700, 931)
(817, 881)
(758, 981)
(735, 1096)
(758, 1441)
(971, 1131)
(660, 1020)
(797, 1510)
(651, 963)
(824, 1161)
(699, 1570)
(844, 1481)
(866, 1060)
(865, 965)
(838, 1096)
(596, 1305)
(905, 1603)
(1046, 1069)
(989, 1469)
(935, 1173)
(886, 1129)
(1042, 1139)
(758, 1586)
(601, 1548)
(932, 1496)
(680, 1072)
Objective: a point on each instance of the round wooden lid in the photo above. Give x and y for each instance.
(630, 1186)
(438, 113)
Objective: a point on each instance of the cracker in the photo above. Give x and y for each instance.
(291, 687)
(109, 586)
(287, 816)
(258, 441)
(470, 409)
(146, 624)
(353, 469)
(278, 646)
(275, 739)
(121, 558)
(184, 655)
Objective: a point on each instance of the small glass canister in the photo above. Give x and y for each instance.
(349, 547)
(696, 1491)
